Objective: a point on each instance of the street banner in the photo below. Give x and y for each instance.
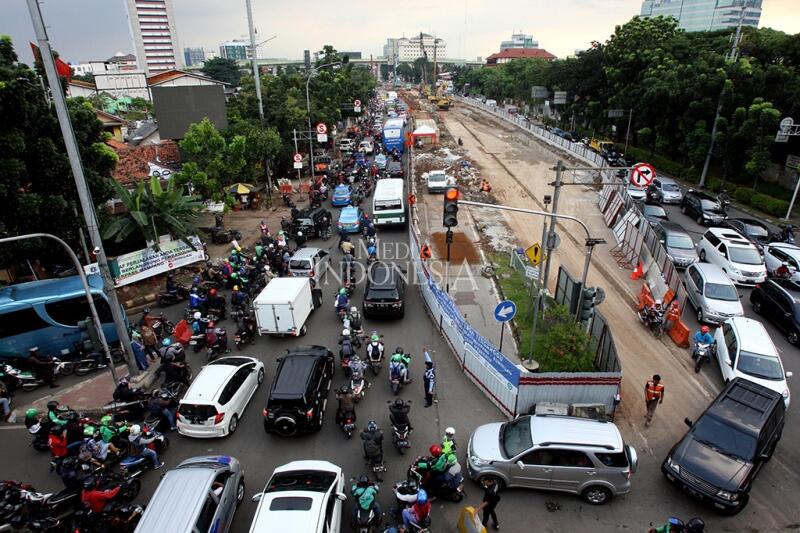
(143, 264)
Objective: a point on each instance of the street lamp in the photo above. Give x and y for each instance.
(311, 74)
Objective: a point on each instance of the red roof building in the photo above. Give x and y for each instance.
(511, 54)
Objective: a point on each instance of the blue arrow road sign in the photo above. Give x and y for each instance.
(505, 311)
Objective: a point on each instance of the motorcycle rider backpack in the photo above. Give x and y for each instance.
(395, 369)
(347, 349)
(371, 448)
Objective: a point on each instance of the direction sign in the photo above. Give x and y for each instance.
(505, 311)
(642, 174)
(298, 160)
(534, 253)
(559, 97)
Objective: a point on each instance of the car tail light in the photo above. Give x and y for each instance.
(311, 274)
(310, 414)
(758, 285)
(265, 413)
(218, 418)
(626, 473)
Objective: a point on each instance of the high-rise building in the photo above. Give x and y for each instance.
(411, 49)
(519, 40)
(152, 24)
(194, 56)
(237, 49)
(705, 15)
(307, 59)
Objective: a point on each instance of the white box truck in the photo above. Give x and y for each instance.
(282, 308)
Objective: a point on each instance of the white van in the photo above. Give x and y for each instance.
(389, 202)
(283, 307)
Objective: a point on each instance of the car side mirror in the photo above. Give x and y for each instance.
(688, 422)
(789, 374)
(521, 465)
(741, 296)
(341, 496)
(257, 497)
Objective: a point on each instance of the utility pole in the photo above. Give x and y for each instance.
(540, 288)
(254, 47)
(82, 187)
(627, 132)
(551, 236)
(732, 57)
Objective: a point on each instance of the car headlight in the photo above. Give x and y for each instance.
(785, 393)
(725, 495)
(673, 466)
(477, 461)
(671, 258)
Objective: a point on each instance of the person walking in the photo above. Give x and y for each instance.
(429, 380)
(491, 497)
(150, 342)
(653, 395)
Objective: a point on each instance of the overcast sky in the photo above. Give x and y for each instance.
(83, 30)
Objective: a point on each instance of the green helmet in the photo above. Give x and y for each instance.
(88, 431)
(234, 276)
(375, 338)
(342, 291)
(32, 412)
(106, 420)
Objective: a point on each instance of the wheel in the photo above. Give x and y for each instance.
(164, 445)
(28, 386)
(239, 346)
(596, 495)
(260, 378)
(303, 331)
(160, 302)
(240, 492)
(117, 356)
(286, 426)
(403, 311)
(131, 490)
(703, 256)
(401, 450)
(66, 369)
(697, 365)
(700, 316)
(169, 327)
(457, 497)
(792, 337)
(757, 310)
(233, 424)
(83, 368)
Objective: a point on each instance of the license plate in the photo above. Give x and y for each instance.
(192, 343)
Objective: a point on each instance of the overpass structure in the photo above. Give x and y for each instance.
(273, 63)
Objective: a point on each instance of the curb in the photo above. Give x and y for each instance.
(135, 304)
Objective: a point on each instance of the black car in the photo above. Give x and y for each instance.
(753, 230)
(309, 221)
(395, 169)
(653, 213)
(703, 208)
(385, 291)
(299, 393)
(723, 452)
(779, 301)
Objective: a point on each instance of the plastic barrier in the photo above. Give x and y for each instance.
(679, 333)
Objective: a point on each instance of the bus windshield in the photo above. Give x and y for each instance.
(391, 134)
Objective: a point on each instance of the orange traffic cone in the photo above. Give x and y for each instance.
(637, 272)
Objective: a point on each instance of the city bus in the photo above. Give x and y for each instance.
(389, 202)
(393, 135)
(45, 313)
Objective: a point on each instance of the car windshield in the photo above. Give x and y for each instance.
(745, 256)
(670, 187)
(719, 291)
(710, 205)
(435, 176)
(515, 436)
(683, 242)
(755, 231)
(760, 365)
(724, 438)
(655, 211)
(305, 480)
(291, 503)
(300, 264)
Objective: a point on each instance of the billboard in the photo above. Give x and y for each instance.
(179, 107)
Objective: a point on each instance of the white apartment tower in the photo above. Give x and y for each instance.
(154, 34)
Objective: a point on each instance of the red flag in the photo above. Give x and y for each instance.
(63, 69)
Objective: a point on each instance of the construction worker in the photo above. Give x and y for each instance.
(653, 395)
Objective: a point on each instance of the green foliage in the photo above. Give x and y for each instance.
(562, 345)
(743, 195)
(153, 211)
(221, 69)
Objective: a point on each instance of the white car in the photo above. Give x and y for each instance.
(301, 497)
(745, 350)
(366, 147)
(777, 254)
(636, 192)
(438, 181)
(734, 254)
(309, 262)
(218, 396)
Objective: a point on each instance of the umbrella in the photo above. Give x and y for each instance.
(241, 188)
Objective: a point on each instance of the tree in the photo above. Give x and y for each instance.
(35, 176)
(153, 211)
(87, 76)
(224, 70)
(563, 344)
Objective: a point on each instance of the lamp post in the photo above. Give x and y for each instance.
(311, 74)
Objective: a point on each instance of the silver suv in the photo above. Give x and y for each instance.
(551, 452)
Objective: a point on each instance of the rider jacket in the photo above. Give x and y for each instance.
(346, 402)
(399, 415)
(365, 495)
(96, 499)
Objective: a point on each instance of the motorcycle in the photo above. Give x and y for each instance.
(287, 200)
(40, 433)
(400, 437)
(701, 354)
(84, 366)
(133, 466)
(348, 424)
(11, 382)
(653, 320)
(367, 521)
(163, 327)
(29, 381)
(217, 342)
(375, 357)
(118, 517)
(448, 487)
(244, 335)
(166, 298)
(358, 385)
(396, 377)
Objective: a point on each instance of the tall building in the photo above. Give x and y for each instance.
(705, 15)
(194, 56)
(519, 40)
(411, 49)
(152, 24)
(350, 55)
(237, 49)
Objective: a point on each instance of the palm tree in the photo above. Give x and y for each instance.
(154, 211)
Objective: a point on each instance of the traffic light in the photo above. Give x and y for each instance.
(588, 296)
(450, 217)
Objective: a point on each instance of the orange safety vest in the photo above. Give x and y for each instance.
(425, 252)
(412, 199)
(653, 391)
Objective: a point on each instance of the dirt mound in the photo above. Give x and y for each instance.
(462, 248)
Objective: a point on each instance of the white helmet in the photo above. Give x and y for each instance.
(658, 303)
(450, 432)
(299, 233)
(354, 309)
(345, 332)
(266, 268)
(135, 430)
(197, 315)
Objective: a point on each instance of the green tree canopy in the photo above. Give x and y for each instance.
(221, 69)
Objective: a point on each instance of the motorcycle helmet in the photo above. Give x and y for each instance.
(345, 333)
(704, 329)
(197, 315)
(422, 497)
(399, 350)
(166, 342)
(88, 431)
(165, 396)
(372, 426)
(52, 404)
(675, 524)
(196, 280)
(122, 382)
(194, 290)
(146, 311)
(375, 339)
(342, 291)
(363, 480)
(213, 292)
(354, 309)
(658, 303)
(89, 483)
(299, 233)
(435, 450)
(695, 525)
(450, 432)
(135, 431)
(106, 420)
(62, 409)
(399, 403)
(235, 288)
(32, 413)
(345, 389)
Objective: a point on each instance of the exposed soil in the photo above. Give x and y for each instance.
(461, 250)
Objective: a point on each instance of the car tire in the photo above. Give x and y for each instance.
(757, 308)
(240, 492)
(596, 495)
(260, 378)
(792, 337)
(700, 317)
(303, 331)
(702, 256)
(233, 424)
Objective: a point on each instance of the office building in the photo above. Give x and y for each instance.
(152, 25)
(350, 55)
(193, 56)
(519, 40)
(237, 49)
(705, 15)
(406, 49)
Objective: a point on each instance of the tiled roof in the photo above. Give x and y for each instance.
(522, 53)
(174, 74)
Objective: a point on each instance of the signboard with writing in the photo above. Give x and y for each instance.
(143, 264)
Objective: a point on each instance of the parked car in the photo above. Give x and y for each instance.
(703, 208)
(385, 291)
(350, 219)
(654, 214)
(310, 220)
(778, 300)
(751, 229)
(218, 396)
(342, 195)
(733, 254)
(309, 262)
(550, 452)
(669, 192)
(299, 394)
(301, 497)
(438, 181)
(678, 244)
(722, 453)
(745, 350)
(380, 161)
(201, 494)
(781, 254)
(635, 192)
(712, 293)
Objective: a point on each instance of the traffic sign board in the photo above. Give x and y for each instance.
(534, 254)
(642, 174)
(505, 311)
(531, 272)
(322, 128)
(357, 106)
(298, 160)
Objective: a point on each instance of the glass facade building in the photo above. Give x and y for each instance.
(705, 15)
